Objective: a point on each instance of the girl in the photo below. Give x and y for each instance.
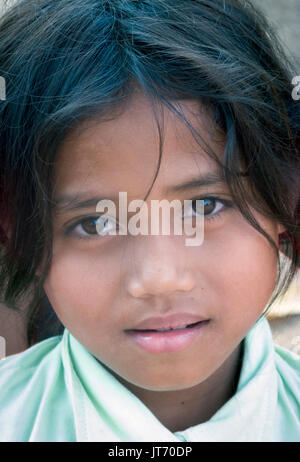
(156, 340)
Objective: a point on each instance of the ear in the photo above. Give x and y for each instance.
(282, 234)
(280, 228)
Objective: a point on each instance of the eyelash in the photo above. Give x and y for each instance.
(226, 205)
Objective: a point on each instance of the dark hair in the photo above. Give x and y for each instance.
(66, 61)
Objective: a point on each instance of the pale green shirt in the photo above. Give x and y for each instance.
(57, 391)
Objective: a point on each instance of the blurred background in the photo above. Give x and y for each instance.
(284, 317)
(284, 15)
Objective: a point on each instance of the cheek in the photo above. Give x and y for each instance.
(243, 274)
(237, 285)
(79, 287)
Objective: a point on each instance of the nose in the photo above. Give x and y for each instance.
(159, 267)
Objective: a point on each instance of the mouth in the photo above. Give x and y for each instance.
(167, 340)
(187, 326)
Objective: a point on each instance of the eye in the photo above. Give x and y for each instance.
(91, 226)
(213, 207)
(100, 226)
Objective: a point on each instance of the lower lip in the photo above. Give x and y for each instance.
(168, 341)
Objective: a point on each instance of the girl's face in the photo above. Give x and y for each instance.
(101, 287)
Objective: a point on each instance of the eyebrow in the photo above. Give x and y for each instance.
(69, 202)
(199, 182)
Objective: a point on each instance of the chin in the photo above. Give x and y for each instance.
(166, 385)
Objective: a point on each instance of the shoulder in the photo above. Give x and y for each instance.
(26, 380)
(288, 368)
(28, 361)
(288, 380)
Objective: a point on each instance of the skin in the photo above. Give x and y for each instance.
(101, 286)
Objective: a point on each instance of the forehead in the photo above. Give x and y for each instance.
(125, 150)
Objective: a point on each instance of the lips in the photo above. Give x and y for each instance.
(170, 338)
(173, 321)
